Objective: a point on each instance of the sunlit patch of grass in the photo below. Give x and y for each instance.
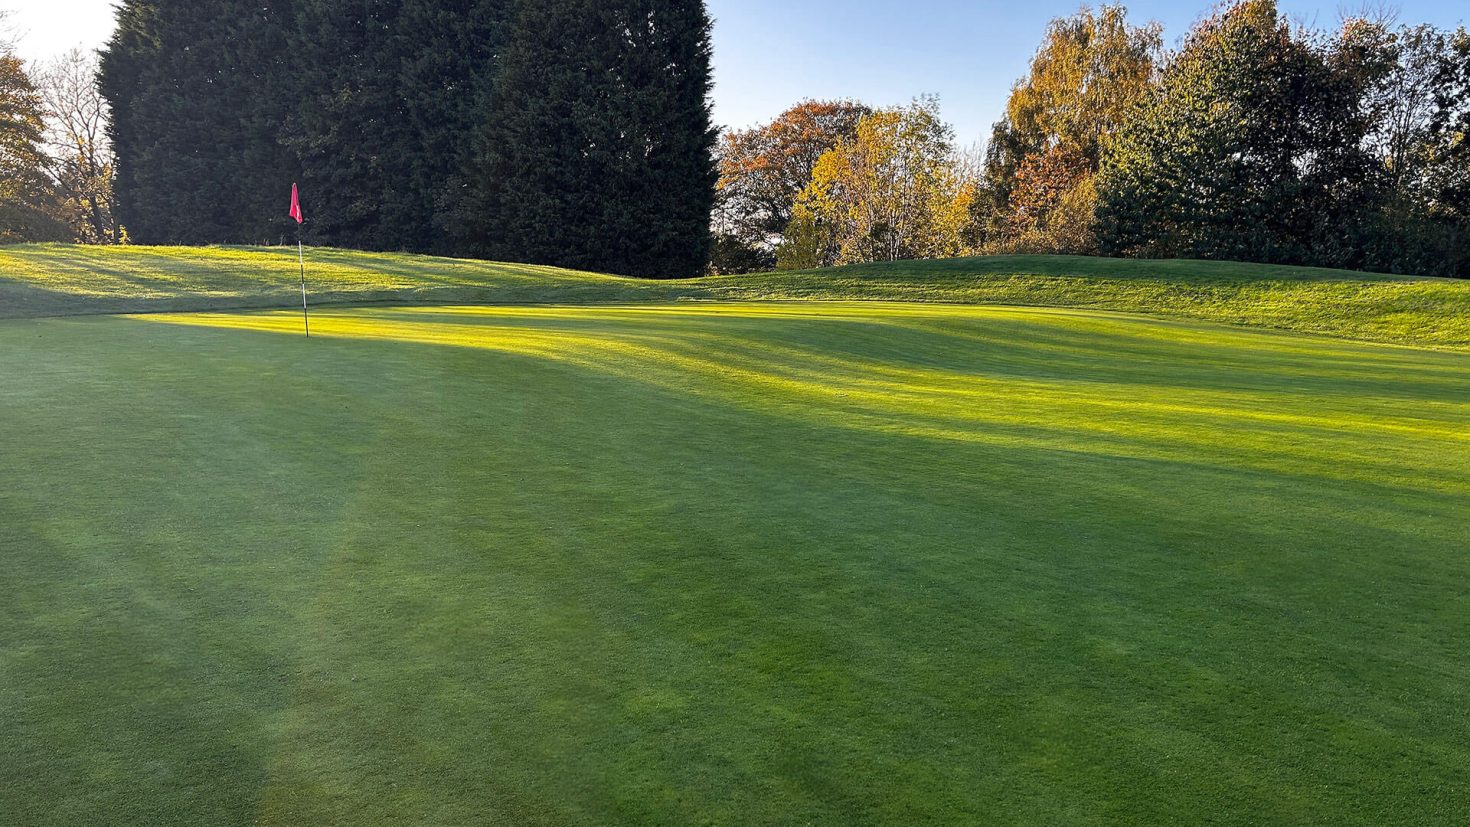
(754, 563)
(1041, 395)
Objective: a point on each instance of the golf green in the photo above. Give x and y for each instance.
(729, 563)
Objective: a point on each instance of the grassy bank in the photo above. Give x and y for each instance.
(52, 280)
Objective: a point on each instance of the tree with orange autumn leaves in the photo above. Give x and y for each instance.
(763, 169)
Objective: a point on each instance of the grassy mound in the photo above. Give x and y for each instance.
(53, 280)
(757, 563)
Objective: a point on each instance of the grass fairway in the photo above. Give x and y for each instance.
(729, 563)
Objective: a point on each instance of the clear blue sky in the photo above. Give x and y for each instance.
(772, 53)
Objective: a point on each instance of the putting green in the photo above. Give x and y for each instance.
(729, 563)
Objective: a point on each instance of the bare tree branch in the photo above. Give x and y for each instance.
(76, 137)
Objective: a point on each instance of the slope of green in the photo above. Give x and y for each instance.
(756, 563)
(53, 280)
(59, 279)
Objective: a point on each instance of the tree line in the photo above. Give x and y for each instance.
(577, 133)
(565, 132)
(1255, 140)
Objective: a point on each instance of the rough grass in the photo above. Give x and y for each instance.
(51, 280)
(756, 563)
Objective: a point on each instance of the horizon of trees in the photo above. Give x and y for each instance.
(1255, 140)
(577, 133)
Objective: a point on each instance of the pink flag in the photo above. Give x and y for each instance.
(296, 205)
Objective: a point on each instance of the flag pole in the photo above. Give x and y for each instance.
(301, 257)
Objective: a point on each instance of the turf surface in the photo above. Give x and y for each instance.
(56, 280)
(729, 563)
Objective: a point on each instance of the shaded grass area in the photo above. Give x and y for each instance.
(741, 563)
(61, 279)
(54, 280)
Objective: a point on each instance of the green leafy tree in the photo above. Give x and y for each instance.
(197, 91)
(596, 145)
(1252, 149)
(1416, 90)
(1447, 174)
(30, 209)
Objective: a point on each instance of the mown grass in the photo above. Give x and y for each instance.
(751, 563)
(52, 280)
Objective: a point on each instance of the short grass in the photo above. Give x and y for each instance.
(749, 563)
(53, 280)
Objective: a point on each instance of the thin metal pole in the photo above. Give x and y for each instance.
(301, 257)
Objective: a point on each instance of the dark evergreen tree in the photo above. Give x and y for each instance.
(596, 145)
(391, 92)
(197, 93)
(592, 147)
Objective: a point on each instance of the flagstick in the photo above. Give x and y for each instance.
(301, 257)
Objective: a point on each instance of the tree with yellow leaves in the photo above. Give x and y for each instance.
(893, 191)
(1092, 71)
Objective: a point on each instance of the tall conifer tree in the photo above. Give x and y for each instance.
(195, 88)
(391, 92)
(596, 145)
(588, 143)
